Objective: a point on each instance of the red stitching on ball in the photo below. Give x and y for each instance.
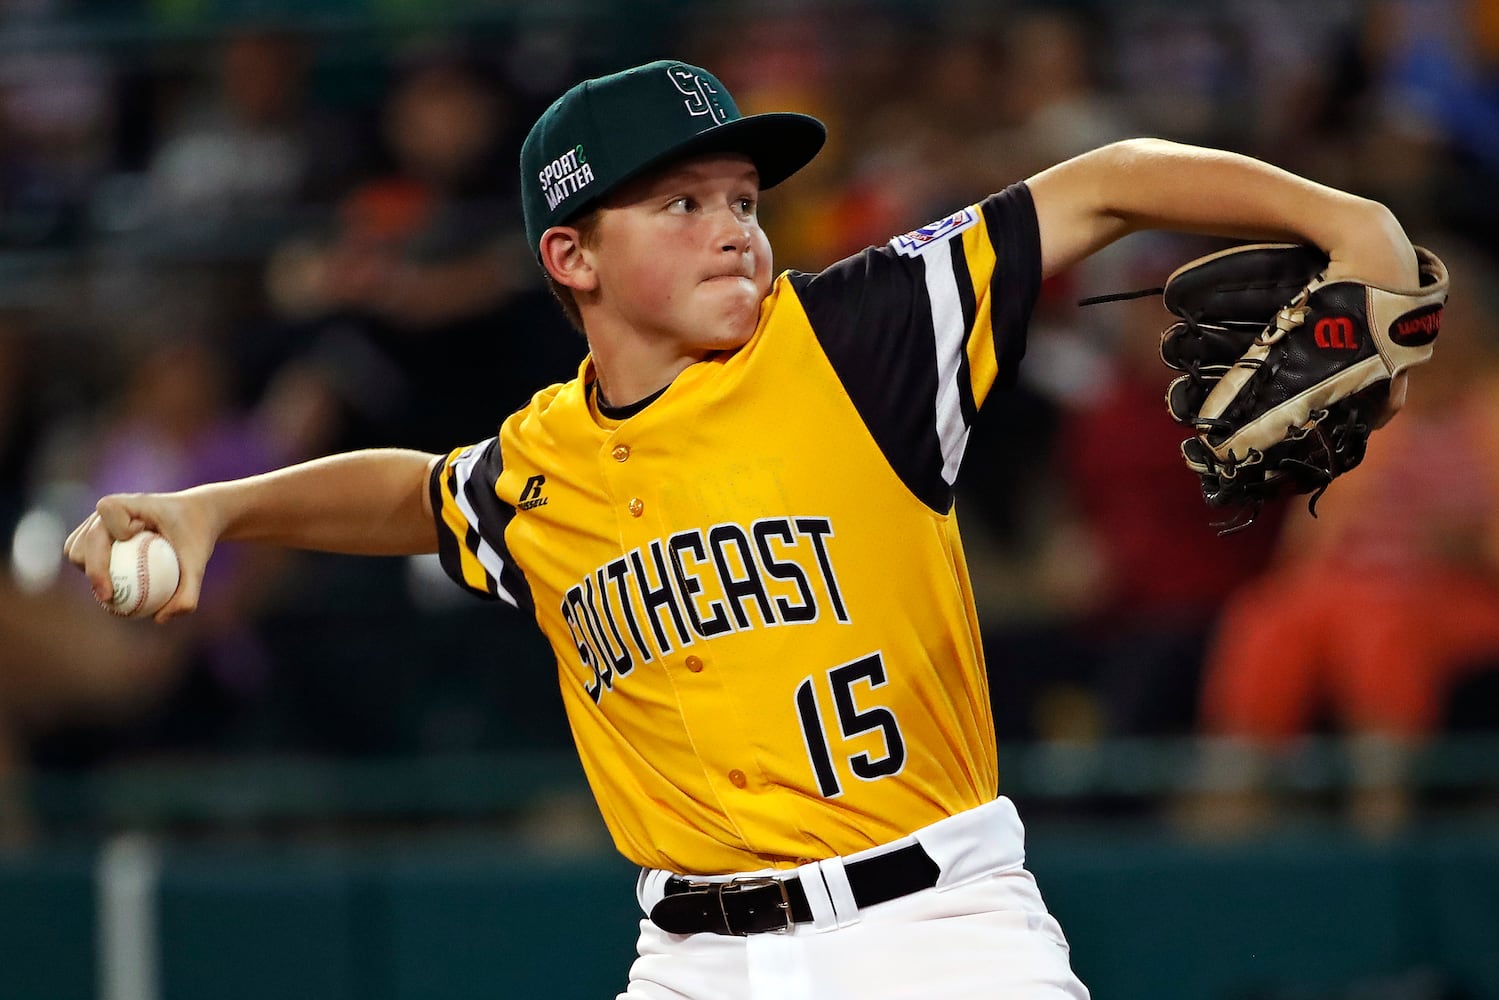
(142, 577)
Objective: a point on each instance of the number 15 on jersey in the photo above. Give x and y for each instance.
(848, 721)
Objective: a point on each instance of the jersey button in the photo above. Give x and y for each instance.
(695, 664)
(737, 778)
(621, 452)
(637, 507)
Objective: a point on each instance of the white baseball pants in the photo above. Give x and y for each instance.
(982, 931)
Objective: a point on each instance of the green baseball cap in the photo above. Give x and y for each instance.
(607, 130)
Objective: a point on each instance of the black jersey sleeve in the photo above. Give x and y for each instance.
(471, 522)
(920, 329)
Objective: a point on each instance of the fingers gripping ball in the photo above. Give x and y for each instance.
(1286, 373)
(144, 572)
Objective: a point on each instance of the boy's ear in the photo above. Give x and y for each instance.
(563, 258)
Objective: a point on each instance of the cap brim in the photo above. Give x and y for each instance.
(780, 143)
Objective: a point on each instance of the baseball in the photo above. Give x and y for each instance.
(144, 572)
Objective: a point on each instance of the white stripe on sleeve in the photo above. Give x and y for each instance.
(947, 326)
(463, 470)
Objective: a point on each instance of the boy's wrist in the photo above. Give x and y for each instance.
(1368, 243)
(213, 508)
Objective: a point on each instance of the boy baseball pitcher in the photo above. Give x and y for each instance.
(735, 527)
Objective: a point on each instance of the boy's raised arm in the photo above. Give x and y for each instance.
(1087, 202)
(371, 502)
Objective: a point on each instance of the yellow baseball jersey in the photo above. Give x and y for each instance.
(754, 585)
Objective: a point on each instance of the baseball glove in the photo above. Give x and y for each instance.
(1286, 373)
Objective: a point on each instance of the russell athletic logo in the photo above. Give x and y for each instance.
(531, 495)
(1335, 333)
(1418, 328)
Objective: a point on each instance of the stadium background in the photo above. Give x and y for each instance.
(234, 234)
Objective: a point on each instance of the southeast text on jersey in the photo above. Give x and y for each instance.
(699, 584)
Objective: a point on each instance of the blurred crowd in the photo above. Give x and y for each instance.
(223, 252)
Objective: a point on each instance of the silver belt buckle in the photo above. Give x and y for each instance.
(756, 882)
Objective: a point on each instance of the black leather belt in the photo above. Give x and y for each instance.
(753, 904)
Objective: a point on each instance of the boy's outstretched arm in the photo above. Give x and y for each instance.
(371, 502)
(1088, 202)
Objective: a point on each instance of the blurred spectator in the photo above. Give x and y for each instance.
(1308, 88)
(1148, 569)
(1374, 610)
(75, 684)
(1437, 73)
(248, 151)
(1052, 87)
(426, 269)
(1131, 570)
(56, 128)
(1179, 70)
(423, 281)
